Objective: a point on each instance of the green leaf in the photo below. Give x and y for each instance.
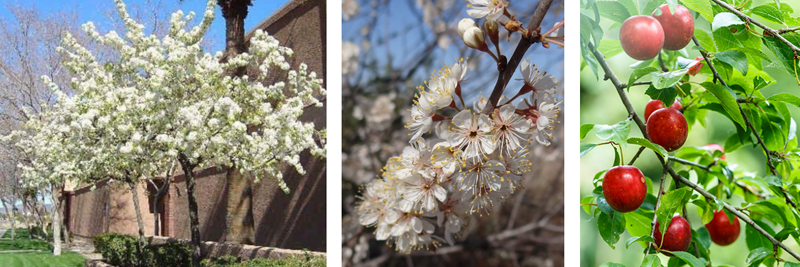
(768, 12)
(617, 157)
(724, 20)
(637, 222)
(666, 95)
(610, 227)
(613, 11)
(700, 6)
(671, 202)
(728, 101)
(609, 47)
(585, 128)
(786, 98)
(638, 238)
(585, 148)
(611, 264)
(754, 239)
(689, 258)
(735, 59)
(673, 5)
(703, 237)
(663, 80)
(616, 133)
(783, 52)
(639, 73)
(788, 263)
(705, 40)
(651, 261)
(630, 6)
(646, 143)
(587, 200)
(756, 256)
(588, 56)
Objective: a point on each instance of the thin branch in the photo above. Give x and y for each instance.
(692, 163)
(620, 90)
(636, 156)
(772, 32)
(658, 202)
(508, 69)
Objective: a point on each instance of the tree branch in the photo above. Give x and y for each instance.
(658, 202)
(691, 163)
(747, 19)
(522, 47)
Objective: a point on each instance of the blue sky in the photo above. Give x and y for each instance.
(95, 10)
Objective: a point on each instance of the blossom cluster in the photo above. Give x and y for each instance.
(163, 98)
(478, 164)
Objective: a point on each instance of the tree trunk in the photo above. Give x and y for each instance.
(56, 216)
(10, 214)
(194, 222)
(160, 192)
(239, 222)
(139, 220)
(240, 209)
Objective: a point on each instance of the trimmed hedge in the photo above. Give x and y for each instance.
(120, 250)
(232, 261)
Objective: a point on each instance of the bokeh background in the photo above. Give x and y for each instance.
(388, 48)
(600, 104)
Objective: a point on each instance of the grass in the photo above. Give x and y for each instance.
(44, 258)
(231, 261)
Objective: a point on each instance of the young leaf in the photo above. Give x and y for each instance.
(728, 101)
(671, 202)
(688, 258)
(616, 133)
(639, 73)
(585, 128)
(610, 227)
(735, 59)
(609, 47)
(663, 80)
(585, 148)
(646, 143)
(638, 238)
(587, 200)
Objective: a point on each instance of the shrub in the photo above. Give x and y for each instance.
(231, 261)
(172, 253)
(120, 250)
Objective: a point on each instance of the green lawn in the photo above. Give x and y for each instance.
(44, 258)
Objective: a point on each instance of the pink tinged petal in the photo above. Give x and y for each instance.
(521, 125)
(463, 118)
(495, 14)
(484, 125)
(439, 192)
(478, 12)
(416, 224)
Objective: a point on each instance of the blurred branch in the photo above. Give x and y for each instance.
(747, 19)
(507, 69)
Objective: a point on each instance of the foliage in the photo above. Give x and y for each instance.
(293, 261)
(735, 53)
(120, 250)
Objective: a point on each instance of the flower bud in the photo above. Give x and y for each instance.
(492, 30)
(473, 37)
(464, 25)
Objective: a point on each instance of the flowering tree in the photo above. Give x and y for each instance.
(741, 59)
(166, 100)
(484, 149)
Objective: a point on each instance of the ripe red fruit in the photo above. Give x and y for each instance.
(668, 128)
(678, 27)
(641, 37)
(713, 147)
(678, 236)
(624, 188)
(721, 230)
(654, 105)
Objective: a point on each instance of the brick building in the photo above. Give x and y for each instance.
(295, 220)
